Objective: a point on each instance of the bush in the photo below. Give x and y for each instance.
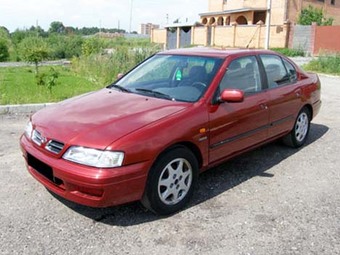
(91, 46)
(310, 14)
(65, 46)
(48, 79)
(290, 52)
(5, 44)
(325, 64)
(4, 52)
(103, 69)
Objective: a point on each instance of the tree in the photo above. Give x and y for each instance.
(62, 46)
(73, 46)
(311, 14)
(70, 30)
(4, 32)
(18, 35)
(5, 43)
(38, 31)
(4, 52)
(57, 27)
(33, 50)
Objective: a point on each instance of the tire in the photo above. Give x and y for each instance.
(299, 134)
(171, 181)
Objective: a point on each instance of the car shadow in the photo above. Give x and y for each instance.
(211, 183)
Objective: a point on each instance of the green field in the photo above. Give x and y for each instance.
(18, 85)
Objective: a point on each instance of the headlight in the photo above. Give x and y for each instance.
(93, 157)
(28, 130)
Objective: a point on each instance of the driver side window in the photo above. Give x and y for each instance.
(243, 74)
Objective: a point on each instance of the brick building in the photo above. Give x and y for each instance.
(242, 24)
(145, 29)
(250, 12)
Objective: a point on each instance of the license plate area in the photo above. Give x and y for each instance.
(43, 169)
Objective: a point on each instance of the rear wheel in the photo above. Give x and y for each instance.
(171, 181)
(298, 136)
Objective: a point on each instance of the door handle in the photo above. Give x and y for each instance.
(298, 93)
(263, 106)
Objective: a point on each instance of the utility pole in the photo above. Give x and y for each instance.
(131, 2)
(269, 11)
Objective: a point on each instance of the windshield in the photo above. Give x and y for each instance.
(171, 77)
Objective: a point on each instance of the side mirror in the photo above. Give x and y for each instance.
(232, 95)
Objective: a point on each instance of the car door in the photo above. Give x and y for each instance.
(284, 93)
(237, 126)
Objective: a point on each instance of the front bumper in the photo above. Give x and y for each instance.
(82, 184)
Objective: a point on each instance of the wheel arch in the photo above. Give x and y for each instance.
(187, 145)
(151, 198)
(310, 110)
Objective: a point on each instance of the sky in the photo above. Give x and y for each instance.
(20, 14)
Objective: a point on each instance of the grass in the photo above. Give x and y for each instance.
(290, 52)
(18, 86)
(328, 64)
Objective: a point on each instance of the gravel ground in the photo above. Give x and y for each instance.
(274, 200)
(302, 60)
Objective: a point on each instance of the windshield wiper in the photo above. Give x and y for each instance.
(119, 88)
(155, 93)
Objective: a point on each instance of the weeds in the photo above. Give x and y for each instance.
(48, 79)
(329, 64)
(290, 52)
(103, 69)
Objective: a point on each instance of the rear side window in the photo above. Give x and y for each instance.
(276, 71)
(291, 71)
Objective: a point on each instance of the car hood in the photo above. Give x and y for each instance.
(98, 119)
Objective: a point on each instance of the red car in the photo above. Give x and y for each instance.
(148, 135)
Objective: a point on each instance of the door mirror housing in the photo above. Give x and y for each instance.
(232, 96)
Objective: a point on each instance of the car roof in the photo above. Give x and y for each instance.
(214, 52)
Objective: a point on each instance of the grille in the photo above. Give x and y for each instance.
(54, 146)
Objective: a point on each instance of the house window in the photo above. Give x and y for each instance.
(241, 20)
(227, 21)
(332, 2)
(321, 1)
(220, 21)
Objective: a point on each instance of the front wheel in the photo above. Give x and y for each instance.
(171, 181)
(298, 136)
